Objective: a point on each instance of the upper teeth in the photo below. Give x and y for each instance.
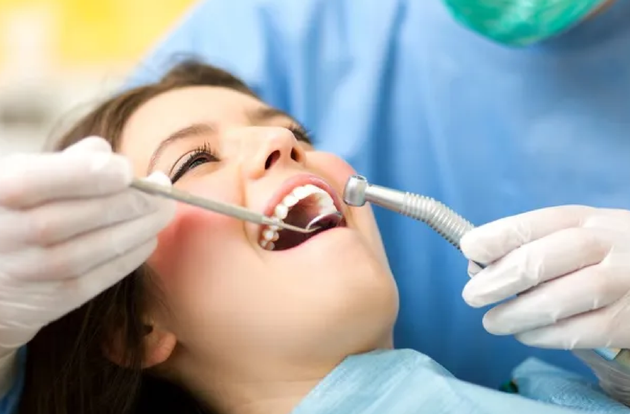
(325, 202)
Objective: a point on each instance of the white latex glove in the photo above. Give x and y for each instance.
(569, 266)
(70, 227)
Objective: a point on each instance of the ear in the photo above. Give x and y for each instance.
(158, 346)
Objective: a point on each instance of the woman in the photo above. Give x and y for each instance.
(212, 309)
(226, 316)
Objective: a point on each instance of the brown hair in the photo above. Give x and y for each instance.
(66, 370)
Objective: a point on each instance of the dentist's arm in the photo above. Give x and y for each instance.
(11, 379)
(8, 370)
(70, 227)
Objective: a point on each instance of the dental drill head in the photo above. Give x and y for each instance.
(354, 192)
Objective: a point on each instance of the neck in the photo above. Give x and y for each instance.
(263, 385)
(268, 386)
(278, 396)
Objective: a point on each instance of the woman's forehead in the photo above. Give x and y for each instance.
(175, 109)
(192, 104)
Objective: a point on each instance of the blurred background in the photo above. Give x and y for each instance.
(59, 56)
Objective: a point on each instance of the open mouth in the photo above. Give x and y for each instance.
(299, 207)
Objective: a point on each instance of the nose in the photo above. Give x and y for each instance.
(274, 147)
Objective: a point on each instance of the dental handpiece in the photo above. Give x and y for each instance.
(450, 225)
(447, 223)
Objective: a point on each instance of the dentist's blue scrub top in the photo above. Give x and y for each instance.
(417, 102)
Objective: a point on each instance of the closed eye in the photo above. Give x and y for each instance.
(300, 133)
(197, 157)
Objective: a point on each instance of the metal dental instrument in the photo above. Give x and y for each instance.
(439, 217)
(327, 220)
(447, 223)
(231, 210)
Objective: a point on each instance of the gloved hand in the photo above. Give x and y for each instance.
(70, 227)
(569, 266)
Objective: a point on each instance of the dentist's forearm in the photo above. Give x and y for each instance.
(8, 370)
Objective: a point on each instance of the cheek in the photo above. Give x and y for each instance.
(192, 241)
(174, 242)
(336, 169)
(202, 284)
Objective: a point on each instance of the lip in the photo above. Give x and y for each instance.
(298, 181)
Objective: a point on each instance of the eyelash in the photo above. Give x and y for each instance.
(196, 155)
(206, 151)
(300, 133)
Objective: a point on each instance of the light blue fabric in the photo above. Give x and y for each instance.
(415, 101)
(10, 402)
(543, 382)
(405, 381)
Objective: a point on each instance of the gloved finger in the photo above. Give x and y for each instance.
(604, 327)
(77, 256)
(53, 223)
(42, 301)
(75, 217)
(585, 290)
(90, 144)
(473, 269)
(558, 254)
(490, 242)
(104, 276)
(27, 306)
(609, 219)
(28, 180)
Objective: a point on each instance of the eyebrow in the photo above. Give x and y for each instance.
(266, 113)
(255, 116)
(193, 130)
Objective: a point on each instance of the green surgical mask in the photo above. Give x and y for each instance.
(521, 22)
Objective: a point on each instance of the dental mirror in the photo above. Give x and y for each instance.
(328, 220)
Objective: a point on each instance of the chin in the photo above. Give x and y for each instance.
(367, 309)
(340, 248)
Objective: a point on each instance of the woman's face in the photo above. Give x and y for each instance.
(229, 299)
